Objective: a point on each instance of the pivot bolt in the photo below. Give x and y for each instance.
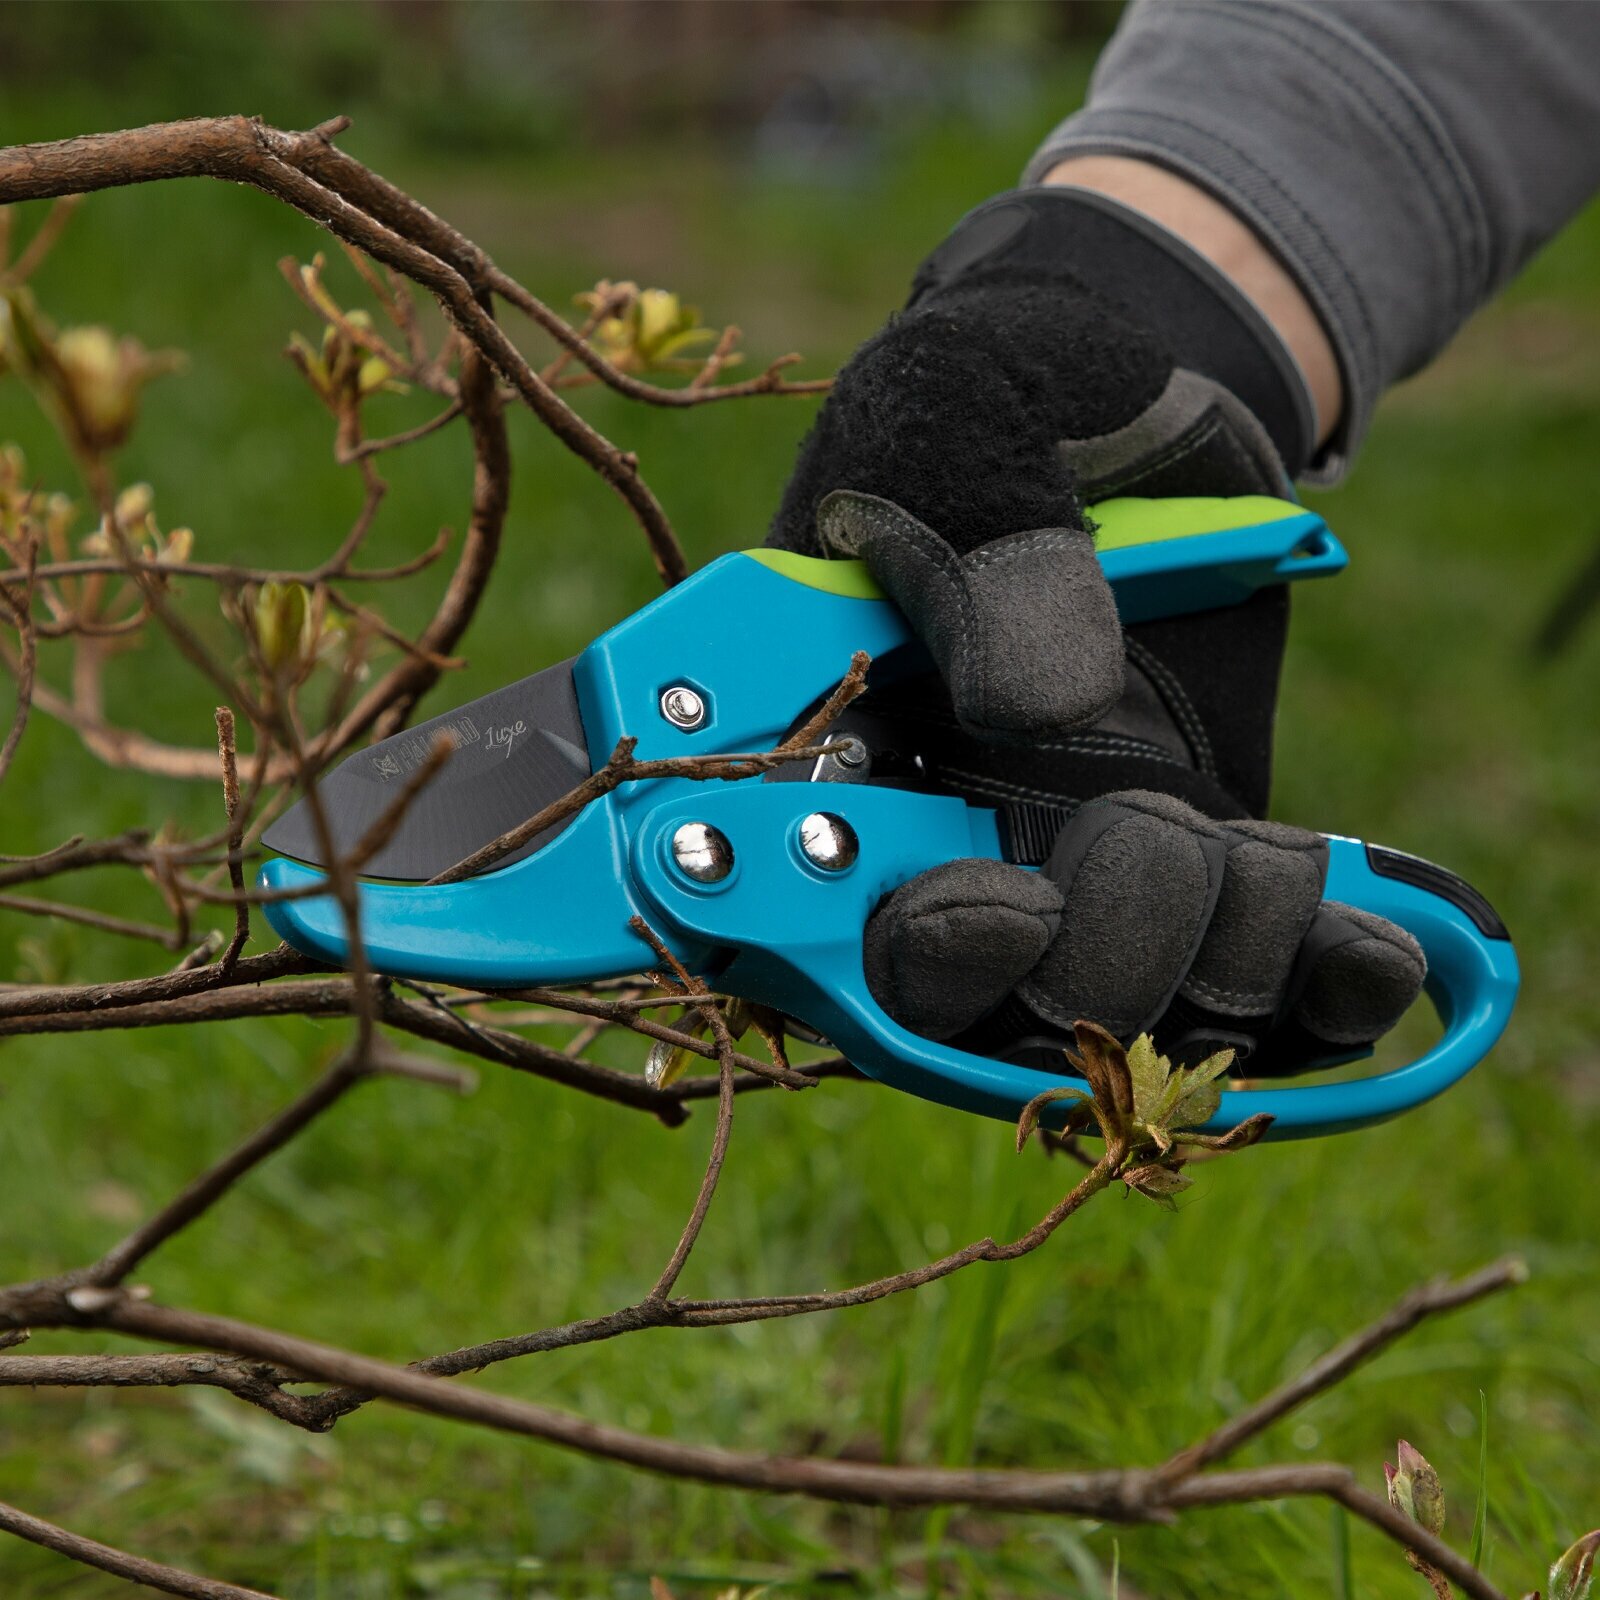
(682, 707)
(828, 841)
(851, 752)
(702, 852)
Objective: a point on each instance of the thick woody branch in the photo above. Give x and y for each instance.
(280, 164)
(1121, 1495)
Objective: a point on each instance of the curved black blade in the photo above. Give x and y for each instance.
(516, 750)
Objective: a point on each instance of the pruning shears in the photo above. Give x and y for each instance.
(764, 886)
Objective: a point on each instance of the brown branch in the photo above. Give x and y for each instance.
(384, 708)
(1426, 1300)
(73, 854)
(199, 1196)
(91, 1553)
(305, 171)
(230, 574)
(849, 687)
(726, 1055)
(21, 607)
(43, 241)
(413, 220)
(229, 756)
(621, 768)
(85, 917)
(91, 999)
(1337, 1483)
(373, 447)
(657, 1311)
(257, 1382)
(201, 995)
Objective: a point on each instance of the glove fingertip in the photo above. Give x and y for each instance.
(1043, 655)
(1364, 982)
(948, 947)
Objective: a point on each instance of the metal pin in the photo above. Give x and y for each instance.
(682, 707)
(828, 841)
(702, 852)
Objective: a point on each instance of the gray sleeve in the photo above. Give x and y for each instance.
(1403, 159)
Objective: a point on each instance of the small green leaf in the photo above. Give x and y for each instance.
(1149, 1073)
(1199, 1093)
(1158, 1182)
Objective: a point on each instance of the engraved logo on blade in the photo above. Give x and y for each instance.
(398, 757)
(504, 738)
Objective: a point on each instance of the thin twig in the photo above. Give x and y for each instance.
(229, 755)
(719, 1142)
(43, 241)
(27, 654)
(91, 1553)
(621, 768)
(199, 1196)
(1426, 1300)
(85, 917)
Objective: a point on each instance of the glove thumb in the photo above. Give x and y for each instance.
(1023, 630)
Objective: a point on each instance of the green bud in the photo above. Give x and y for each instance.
(666, 1063)
(280, 619)
(1572, 1577)
(1427, 1492)
(1398, 1485)
(99, 379)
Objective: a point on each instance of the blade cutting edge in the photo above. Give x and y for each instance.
(516, 750)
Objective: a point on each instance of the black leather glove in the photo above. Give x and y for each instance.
(1058, 350)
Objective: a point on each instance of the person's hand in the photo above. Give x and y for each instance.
(1056, 353)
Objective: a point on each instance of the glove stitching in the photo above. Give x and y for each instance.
(1112, 744)
(1211, 991)
(1064, 1018)
(948, 566)
(1175, 452)
(1310, 845)
(1000, 789)
(1005, 549)
(1178, 703)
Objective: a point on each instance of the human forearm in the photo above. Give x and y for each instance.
(1236, 249)
(1401, 161)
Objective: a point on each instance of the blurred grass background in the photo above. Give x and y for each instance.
(784, 167)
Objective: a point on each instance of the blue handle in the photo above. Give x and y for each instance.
(760, 636)
(808, 961)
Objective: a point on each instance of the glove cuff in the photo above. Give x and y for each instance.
(1207, 323)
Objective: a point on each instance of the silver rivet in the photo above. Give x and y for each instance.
(682, 707)
(702, 852)
(850, 753)
(829, 842)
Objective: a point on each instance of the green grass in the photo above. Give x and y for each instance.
(409, 1221)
